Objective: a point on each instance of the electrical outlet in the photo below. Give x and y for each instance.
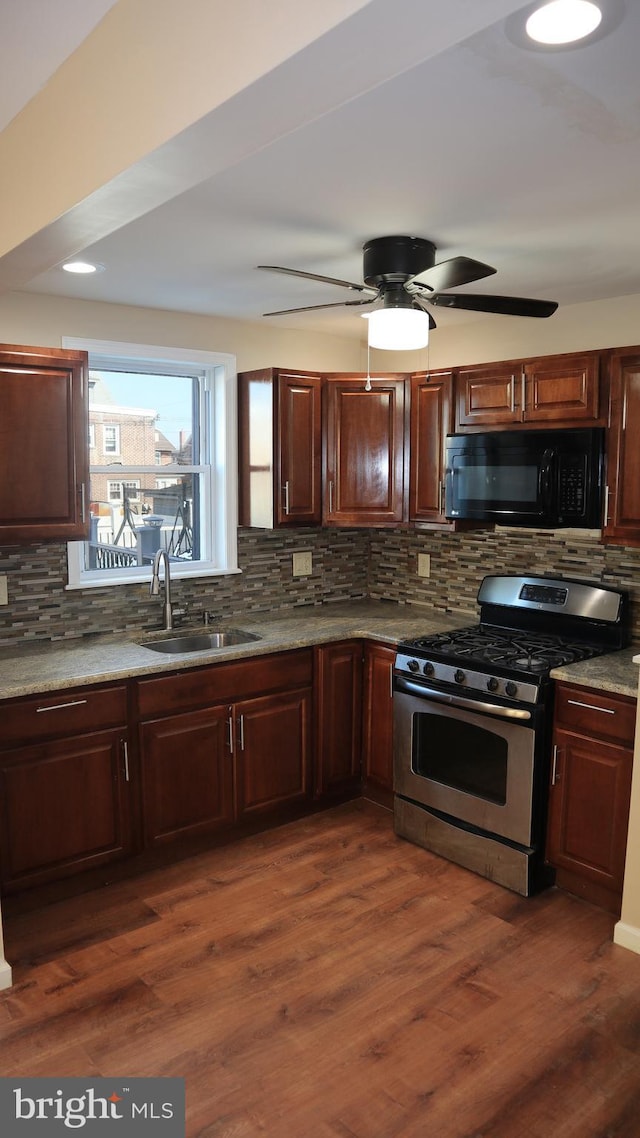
(424, 564)
(4, 598)
(302, 564)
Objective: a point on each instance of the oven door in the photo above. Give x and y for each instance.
(476, 766)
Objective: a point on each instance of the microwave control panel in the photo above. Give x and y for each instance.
(572, 479)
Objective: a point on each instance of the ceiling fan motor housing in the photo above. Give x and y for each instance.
(388, 260)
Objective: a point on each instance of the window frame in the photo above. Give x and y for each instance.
(217, 374)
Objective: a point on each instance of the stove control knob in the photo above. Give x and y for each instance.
(492, 684)
(459, 676)
(511, 688)
(429, 669)
(413, 666)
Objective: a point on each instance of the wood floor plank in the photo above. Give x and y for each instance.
(329, 980)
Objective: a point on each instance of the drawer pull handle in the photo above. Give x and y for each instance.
(592, 707)
(61, 706)
(125, 755)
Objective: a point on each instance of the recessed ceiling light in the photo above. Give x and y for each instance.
(563, 21)
(81, 267)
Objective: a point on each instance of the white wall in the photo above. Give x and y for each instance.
(38, 320)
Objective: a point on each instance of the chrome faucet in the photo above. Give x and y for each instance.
(154, 587)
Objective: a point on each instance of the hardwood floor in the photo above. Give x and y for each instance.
(328, 980)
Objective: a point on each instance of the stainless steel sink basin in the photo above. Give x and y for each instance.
(201, 641)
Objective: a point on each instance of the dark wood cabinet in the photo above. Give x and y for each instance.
(338, 734)
(186, 775)
(44, 444)
(590, 792)
(279, 448)
(364, 431)
(622, 524)
(64, 800)
(377, 723)
(560, 391)
(239, 747)
(272, 744)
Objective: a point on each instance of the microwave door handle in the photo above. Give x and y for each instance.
(545, 475)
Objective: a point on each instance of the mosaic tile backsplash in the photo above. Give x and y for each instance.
(347, 564)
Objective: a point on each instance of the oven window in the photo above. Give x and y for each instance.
(461, 755)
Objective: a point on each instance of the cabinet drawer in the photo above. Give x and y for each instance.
(67, 712)
(587, 711)
(219, 683)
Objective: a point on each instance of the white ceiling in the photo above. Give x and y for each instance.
(527, 160)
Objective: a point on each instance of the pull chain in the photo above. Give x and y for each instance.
(367, 385)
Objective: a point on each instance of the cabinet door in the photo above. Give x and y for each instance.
(299, 433)
(44, 439)
(563, 390)
(589, 814)
(431, 420)
(338, 717)
(272, 745)
(377, 721)
(186, 771)
(365, 455)
(63, 807)
(623, 461)
(279, 448)
(489, 395)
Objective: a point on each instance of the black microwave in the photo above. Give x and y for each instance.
(526, 478)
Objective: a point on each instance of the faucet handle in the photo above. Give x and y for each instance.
(207, 616)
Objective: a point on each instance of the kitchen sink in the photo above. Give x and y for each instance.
(201, 641)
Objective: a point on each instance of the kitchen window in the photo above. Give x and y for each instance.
(135, 392)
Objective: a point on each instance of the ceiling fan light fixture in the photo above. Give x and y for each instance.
(563, 21)
(398, 329)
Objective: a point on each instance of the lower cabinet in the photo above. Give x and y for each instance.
(92, 775)
(272, 744)
(377, 723)
(590, 792)
(223, 759)
(186, 775)
(338, 688)
(64, 797)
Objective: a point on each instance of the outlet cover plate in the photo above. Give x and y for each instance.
(302, 564)
(424, 564)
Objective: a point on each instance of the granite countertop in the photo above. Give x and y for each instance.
(28, 669)
(31, 668)
(614, 672)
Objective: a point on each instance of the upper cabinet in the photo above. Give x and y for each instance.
(622, 514)
(431, 420)
(365, 454)
(560, 391)
(279, 448)
(44, 440)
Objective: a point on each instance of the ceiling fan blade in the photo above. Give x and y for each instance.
(315, 307)
(451, 274)
(317, 277)
(422, 304)
(503, 305)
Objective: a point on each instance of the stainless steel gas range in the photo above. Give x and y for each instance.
(472, 722)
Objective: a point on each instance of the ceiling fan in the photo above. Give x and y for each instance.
(390, 268)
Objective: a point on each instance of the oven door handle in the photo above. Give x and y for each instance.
(403, 685)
